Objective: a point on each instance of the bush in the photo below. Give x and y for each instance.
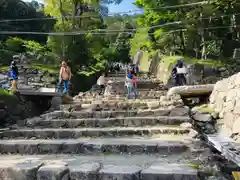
(15, 45)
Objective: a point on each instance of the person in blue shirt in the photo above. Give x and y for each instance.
(14, 75)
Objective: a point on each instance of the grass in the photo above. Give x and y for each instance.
(7, 96)
(206, 108)
(4, 68)
(4, 93)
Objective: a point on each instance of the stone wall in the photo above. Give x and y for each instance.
(225, 99)
(15, 108)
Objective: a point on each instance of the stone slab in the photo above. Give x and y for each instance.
(169, 172)
(38, 93)
(66, 133)
(218, 140)
(191, 90)
(53, 172)
(112, 172)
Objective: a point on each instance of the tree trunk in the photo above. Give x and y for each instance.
(63, 23)
(202, 34)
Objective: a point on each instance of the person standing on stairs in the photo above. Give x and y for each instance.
(179, 72)
(129, 85)
(101, 83)
(64, 77)
(14, 75)
(134, 81)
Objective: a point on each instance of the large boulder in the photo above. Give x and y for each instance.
(225, 99)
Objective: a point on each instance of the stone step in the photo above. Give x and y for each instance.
(93, 146)
(116, 98)
(98, 106)
(95, 168)
(111, 114)
(141, 93)
(107, 122)
(121, 105)
(62, 133)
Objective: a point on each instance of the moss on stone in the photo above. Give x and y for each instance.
(206, 108)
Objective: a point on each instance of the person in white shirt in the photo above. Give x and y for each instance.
(101, 83)
(108, 88)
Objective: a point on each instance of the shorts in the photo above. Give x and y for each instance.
(14, 78)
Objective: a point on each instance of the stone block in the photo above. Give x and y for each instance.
(112, 172)
(169, 172)
(26, 170)
(179, 111)
(53, 172)
(84, 171)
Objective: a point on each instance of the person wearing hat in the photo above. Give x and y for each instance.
(14, 75)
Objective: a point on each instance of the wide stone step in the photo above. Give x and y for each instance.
(108, 122)
(118, 105)
(62, 133)
(112, 114)
(115, 100)
(94, 168)
(92, 146)
(141, 93)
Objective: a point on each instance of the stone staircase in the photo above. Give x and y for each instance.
(106, 139)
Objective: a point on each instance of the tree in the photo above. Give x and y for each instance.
(13, 10)
(205, 30)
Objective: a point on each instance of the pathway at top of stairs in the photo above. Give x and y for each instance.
(106, 139)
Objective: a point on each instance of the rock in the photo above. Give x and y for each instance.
(153, 105)
(195, 73)
(186, 125)
(26, 170)
(53, 172)
(202, 117)
(179, 111)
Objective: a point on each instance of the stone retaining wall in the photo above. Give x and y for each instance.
(16, 108)
(225, 99)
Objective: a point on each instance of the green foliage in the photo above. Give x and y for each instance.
(33, 46)
(140, 41)
(211, 37)
(15, 45)
(15, 9)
